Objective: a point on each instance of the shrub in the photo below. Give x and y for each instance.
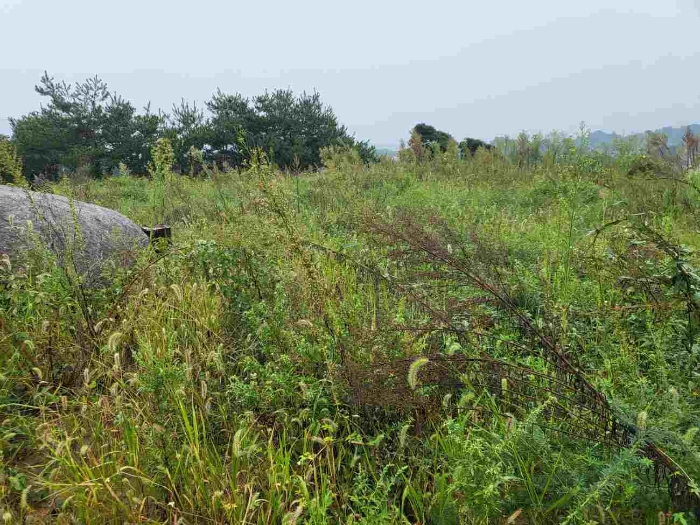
(10, 164)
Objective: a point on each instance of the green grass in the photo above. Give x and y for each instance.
(210, 383)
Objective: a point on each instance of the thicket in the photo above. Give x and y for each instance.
(370, 344)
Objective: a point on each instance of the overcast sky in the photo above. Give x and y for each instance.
(472, 68)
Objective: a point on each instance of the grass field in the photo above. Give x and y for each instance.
(334, 348)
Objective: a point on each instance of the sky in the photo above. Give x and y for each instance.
(477, 69)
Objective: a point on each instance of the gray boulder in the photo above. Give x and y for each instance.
(90, 239)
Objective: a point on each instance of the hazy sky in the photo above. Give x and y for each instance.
(471, 68)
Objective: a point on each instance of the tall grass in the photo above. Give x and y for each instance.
(208, 384)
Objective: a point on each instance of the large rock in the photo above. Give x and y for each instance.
(91, 239)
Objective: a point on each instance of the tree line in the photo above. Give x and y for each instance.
(528, 150)
(427, 141)
(85, 126)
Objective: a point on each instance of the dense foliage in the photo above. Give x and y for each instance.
(469, 146)
(431, 136)
(87, 127)
(217, 380)
(83, 126)
(10, 163)
(427, 140)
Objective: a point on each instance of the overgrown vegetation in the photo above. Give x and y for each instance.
(10, 164)
(282, 361)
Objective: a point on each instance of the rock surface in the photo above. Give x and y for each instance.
(90, 238)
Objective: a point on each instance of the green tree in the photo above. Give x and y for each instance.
(186, 128)
(231, 116)
(296, 127)
(291, 129)
(42, 142)
(367, 152)
(431, 136)
(128, 137)
(469, 146)
(83, 125)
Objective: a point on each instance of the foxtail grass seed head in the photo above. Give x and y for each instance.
(454, 348)
(674, 394)
(642, 420)
(5, 262)
(403, 435)
(304, 323)
(23, 504)
(113, 341)
(291, 518)
(114, 389)
(177, 290)
(446, 400)
(414, 369)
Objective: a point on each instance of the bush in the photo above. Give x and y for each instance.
(10, 164)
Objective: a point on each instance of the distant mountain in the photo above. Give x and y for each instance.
(675, 135)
